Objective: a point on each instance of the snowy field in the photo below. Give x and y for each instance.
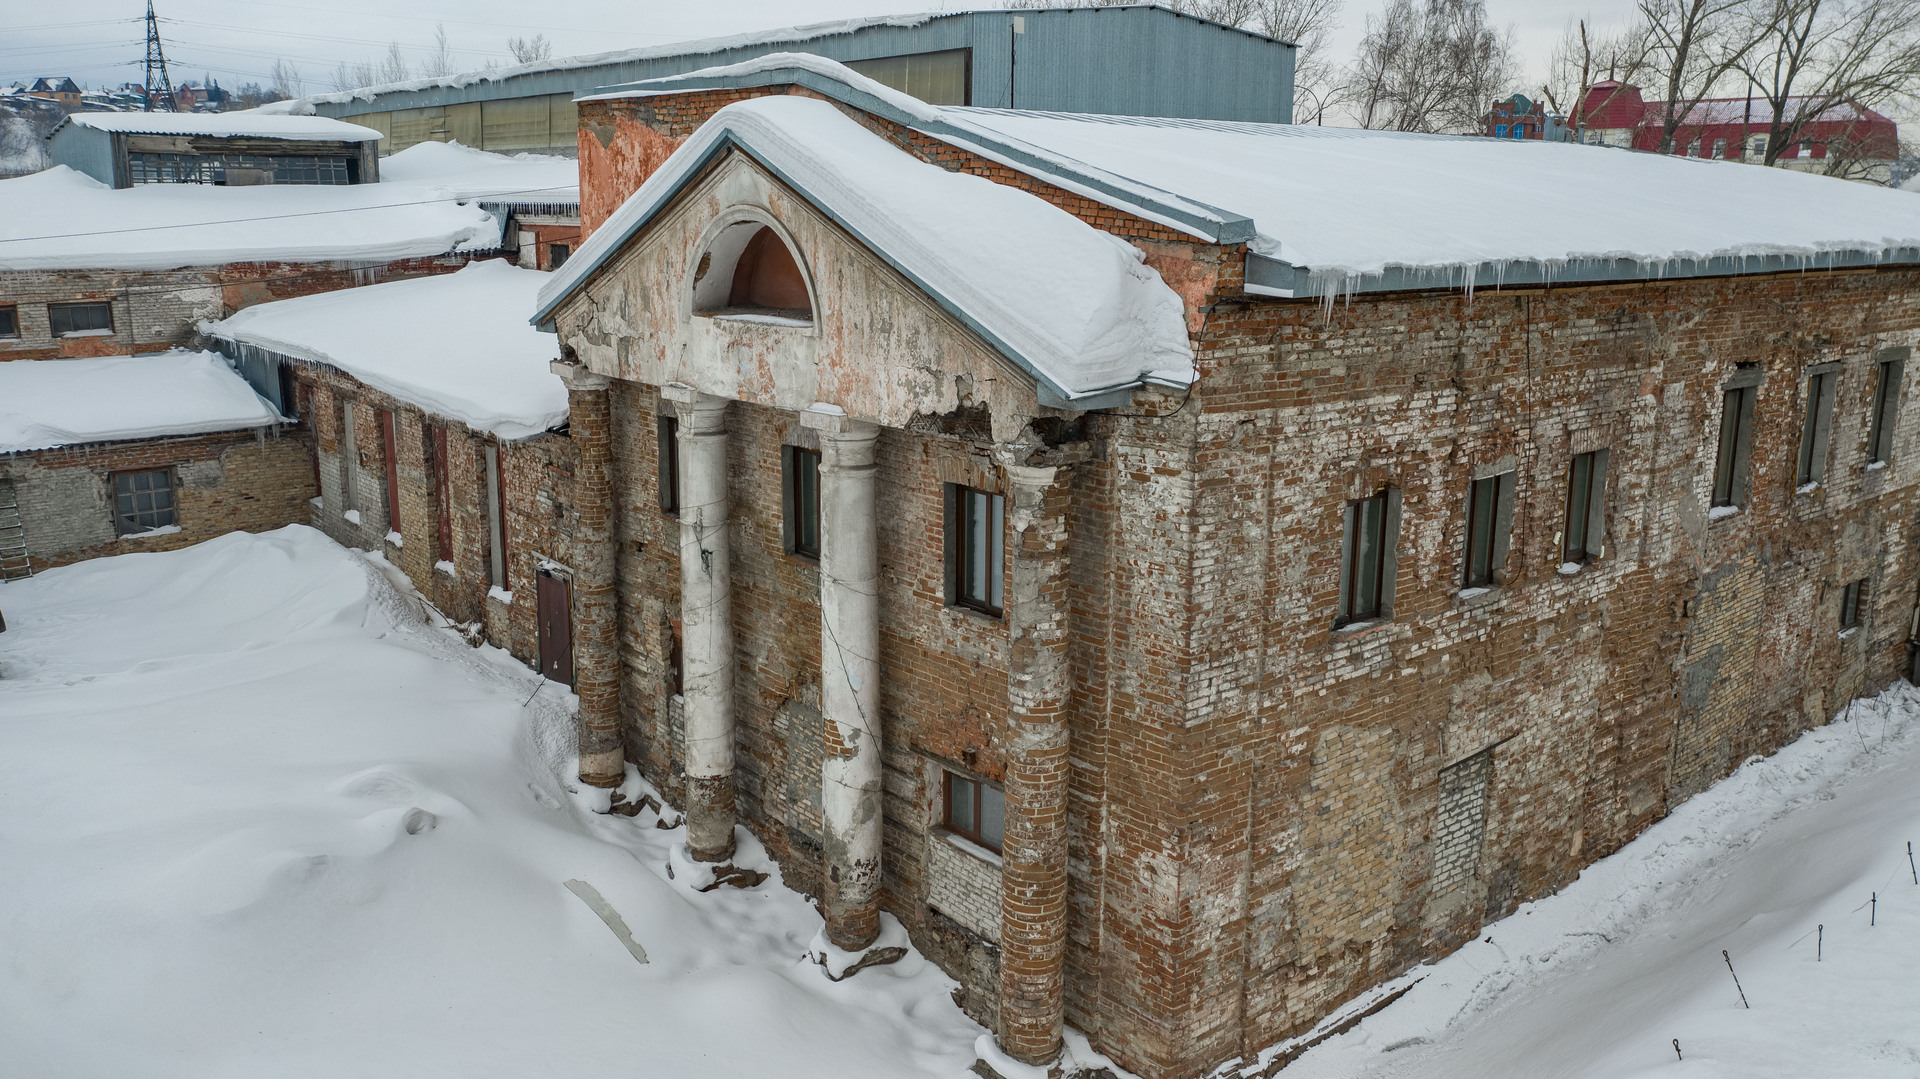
(257, 818)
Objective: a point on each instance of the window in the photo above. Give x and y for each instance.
(1736, 439)
(1463, 821)
(976, 548)
(143, 501)
(496, 521)
(802, 498)
(557, 255)
(1366, 560)
(70, 318)
(1489, 519)
(1499, 131)
(442, 495)
(1719, 148)
(9, 320)
(349, 460)
(238, 169)
(668, 433)
(1816, 429)
(1850, 606)
(388, 443)
(973, 809)
(1584, 537)
(1886, 409)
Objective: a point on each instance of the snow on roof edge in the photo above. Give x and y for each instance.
(84, 390)
(222, 125)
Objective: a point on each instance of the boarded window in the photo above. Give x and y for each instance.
(143, 501)
(802, 499)
(442, 495)
(1730, 463)
(1816, 429)
(668, 434)
(1584, 536)
(1489, 523)
(1366, 558)
(973, 809)
(1886, 409)
(388, 444)
(91, 317)
(976, 548)
(1851, 598)
(496, 521)
(557, 255)
(937, 78)
(1461, 829)
(767, 278)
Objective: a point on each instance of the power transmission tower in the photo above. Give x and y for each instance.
(157, 59)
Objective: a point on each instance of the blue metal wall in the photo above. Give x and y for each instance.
(83, 149)
(1127, 61)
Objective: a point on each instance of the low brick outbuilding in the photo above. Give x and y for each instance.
(439, 438)
(138, 453)
(1181, 686)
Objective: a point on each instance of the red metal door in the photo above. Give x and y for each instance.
(555, 612)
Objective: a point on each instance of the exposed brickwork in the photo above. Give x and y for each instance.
(965, 886)
(157, 309)
(233, 481)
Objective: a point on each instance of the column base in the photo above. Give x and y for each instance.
(710, 817)
(993, 1062)
(890, 945)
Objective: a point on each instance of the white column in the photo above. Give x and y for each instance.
(706, 613)
(850, 780)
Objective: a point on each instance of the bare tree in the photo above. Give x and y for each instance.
(1582, 59)
(392, 67)
(1692, 46)
(1818, 58)
(1430, 65)
(530, 50)
(439, 61)
(287, 81)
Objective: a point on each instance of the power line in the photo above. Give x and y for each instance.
(316, 37)
(597, 30)
(157, 58)
(274, 217)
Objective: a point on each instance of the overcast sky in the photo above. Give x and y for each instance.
(99, 42)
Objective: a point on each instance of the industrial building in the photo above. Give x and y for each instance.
(123, 149)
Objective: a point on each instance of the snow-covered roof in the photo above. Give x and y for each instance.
(457, 345)
(696, 47)
(467, 173)
(63, 220)
(50, 403)
(248, 123)
(1325, 210)
(1078, 307)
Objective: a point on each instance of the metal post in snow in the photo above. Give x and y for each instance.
(1676, 1050)
(1819, 941)
(1873, 909)
(1736, 979)
(1910, 867)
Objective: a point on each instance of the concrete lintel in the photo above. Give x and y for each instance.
(682, 394)
(578, 378)
(833, 420)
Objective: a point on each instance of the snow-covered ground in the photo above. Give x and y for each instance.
(1602, 978)
(256, 819)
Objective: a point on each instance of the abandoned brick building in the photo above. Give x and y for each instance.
(429, 404)
(116, 454)
(1189, 571)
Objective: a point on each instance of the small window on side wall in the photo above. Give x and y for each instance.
(1489, 525)
(976, 549)
(1584, 537)
(143, 501)
(1852, 607)
(1817, 427)
(9, 320)
(801, 499)
(1886, 408)
(557, 255)
(77, 318)
(1366, 558)
(668, 434)
(1730, 462)
(973, 809)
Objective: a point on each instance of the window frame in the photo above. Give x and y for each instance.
(974, 830)
(1732, 462)
(1385, 567)
(799, 468)
(389, 448)
(1889, 373)
(963, 506)
(1492, 492)
(64, 308)
(1852, 602)
(10, 311)
(125, 525)
(667, 480)
(1816, 425)
(1583, 530)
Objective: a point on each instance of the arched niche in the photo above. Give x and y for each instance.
(748, 270)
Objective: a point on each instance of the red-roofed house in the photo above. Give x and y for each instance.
(1844, 139)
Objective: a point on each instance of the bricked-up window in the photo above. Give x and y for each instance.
(1816, 429)
(801, 490)
(496, 521)
(1886, 407)
(442, 495)
(1489, 522)
(1584, 537)
(9, 320)
(668, 433)
(973, 809)
(1458, 835)
(1850, 604)
(976, 548)
(1366, 558)
(1730, 463)
(66, 318)
(143, 501)
(388, 444)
